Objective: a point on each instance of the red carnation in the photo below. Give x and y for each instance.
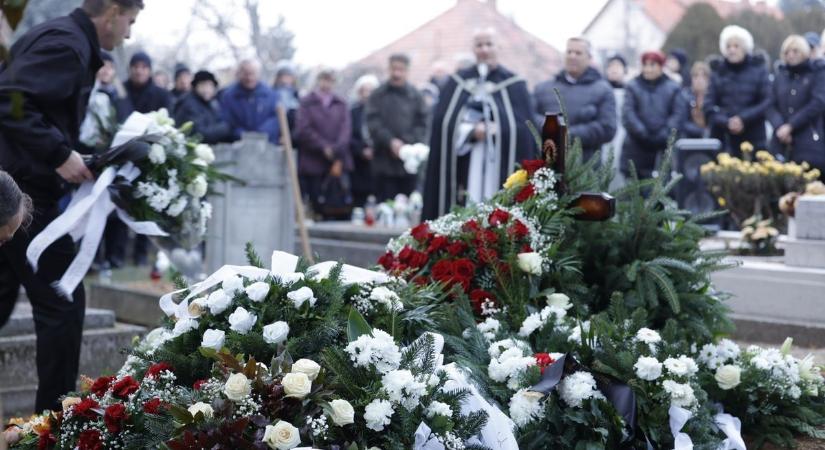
(478, 297)
(421, 281)
(86, 408)
(498, 217)
(487, 255)
(152, 406)
(45, 440)
(405, 254)
(156, 369)
(525, 193)
(421, 232)
(532, 165)
(456, 248)
(114, 417)
(518, 229)
(464, 268)
(526, 248)
(387, 260)
(543, 360)
(198, 385)
(442, 271)
(470, 225)
(463, 281)
(101, 385)
(418, 259)
(438, 243)
(125, 387)
(90, 440)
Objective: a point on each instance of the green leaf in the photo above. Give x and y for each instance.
(357, 325)
(662, 281)
(674, 264)
(180, 414)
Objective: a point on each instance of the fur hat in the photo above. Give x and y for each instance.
(735, 32)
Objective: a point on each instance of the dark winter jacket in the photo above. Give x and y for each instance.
(148, 97)
(44, 92)
(253, 110)
(590, 105)
(799, 100)
(318, 126)
(742, 90)
(362, 181)
(652, 111)
(690, 128)
(205, 117)
(395, 112)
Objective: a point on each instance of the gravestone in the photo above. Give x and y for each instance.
(805, 246)
(258, 209)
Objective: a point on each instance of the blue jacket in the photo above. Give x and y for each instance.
(254, 110)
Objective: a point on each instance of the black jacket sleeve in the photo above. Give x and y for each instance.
(48, 73)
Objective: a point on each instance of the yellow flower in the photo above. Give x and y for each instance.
(518, 178)
(763, 155)
(746, 147)
(813, 175)
(815, 188)
(722, 202)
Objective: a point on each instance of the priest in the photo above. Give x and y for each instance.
(479, 131)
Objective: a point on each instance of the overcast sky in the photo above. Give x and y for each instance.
(336, 32)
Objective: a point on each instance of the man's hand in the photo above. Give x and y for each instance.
(368, 153)
(337, 169)
(480, 132)
(735, 125)
(395, 147)
(784, 133)
(74, 170)
(329, 153)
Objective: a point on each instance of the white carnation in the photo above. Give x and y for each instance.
(387, 298)
(183, 326)
(177, 207)
(157, 155)
(681, 395)
(378, 350)
(377, 414)
(489, 328)
(402, 387)
(526, 407)
(197, 188)
(205, 153)
(578, 387)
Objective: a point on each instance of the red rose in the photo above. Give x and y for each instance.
(45, 440)
(498, 217)
(525, 193)
(464, 268)
(518, 230)
(442, 271)
(421, 232)
(470, 225)
(504, 268)
(387, 260)
(478, 297)
(198, 384)
(114, 417)
(90, 440)
(463, 281)
(543, 360)
(405, 254)
(532, 165)
(526, 248)
(125, 387)
(456, 248)
(487, 255)
(86, 408)
(438, 243)
(153, 406)
(486, 237)
(156, 369)
(101, 385)
(418, 260)
(421, 281)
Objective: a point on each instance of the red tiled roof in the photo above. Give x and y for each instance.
(449, 36)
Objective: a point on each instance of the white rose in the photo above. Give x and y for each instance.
(530, 263)
(197, 188)
(648, 368)
(290, 278)
(282, 436)
(242, 320)
(157, 155)
(184, 326)
(237, 387)
(213, 339)
(218, 302)
(232, 285)
(275, 333)
(300, 296)
(559, 300)
(257, 291)
(728, 377)
(203, 408)
(296, 385)
(342, 412)
(308, 367)
(157, 337)
(205, 153)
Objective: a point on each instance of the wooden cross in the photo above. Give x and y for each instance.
(595, 206)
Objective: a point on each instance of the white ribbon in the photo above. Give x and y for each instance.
(732, 427)
(424, 439)
(678, 418)
(283, 265)
(86, 218)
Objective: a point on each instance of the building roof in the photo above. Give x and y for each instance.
(667, 13)
(448, 37)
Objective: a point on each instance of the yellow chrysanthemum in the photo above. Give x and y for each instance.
(746, 147)
(763, 155)
(722, 202)
(518, 178)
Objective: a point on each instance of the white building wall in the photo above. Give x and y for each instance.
(624, 28)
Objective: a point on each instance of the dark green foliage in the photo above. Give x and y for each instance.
(252, 256)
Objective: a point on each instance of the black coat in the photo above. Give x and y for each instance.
(799, 100)
(590, 105)
(394, 112)
(44, 92)
(652, 111)
(362, 179)
(147, 98)
(205, 117)
(742, 90)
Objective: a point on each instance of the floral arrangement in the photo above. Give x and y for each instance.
(759, 237)
(753, 185)
(413, 155)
